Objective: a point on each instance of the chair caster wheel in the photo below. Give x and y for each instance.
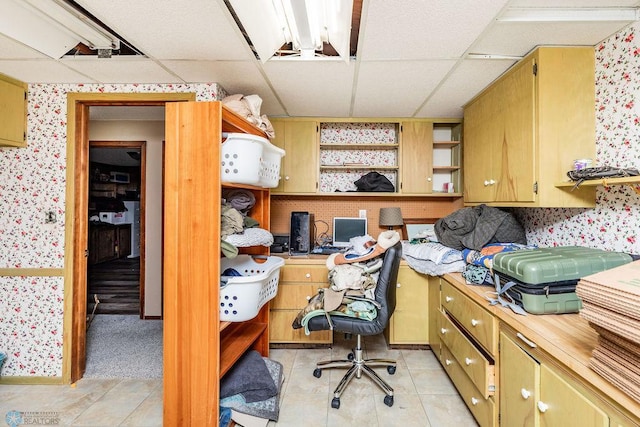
(391, 370)
(350, 356)
(317, 372)
(388, 400)
(335, 403)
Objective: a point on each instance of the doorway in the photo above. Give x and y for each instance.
(116, 262)
(76, 251)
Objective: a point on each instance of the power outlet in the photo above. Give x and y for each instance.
(363, 213)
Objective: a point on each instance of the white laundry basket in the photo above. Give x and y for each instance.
(242, 297)
(250, 159)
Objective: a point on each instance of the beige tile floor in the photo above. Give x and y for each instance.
(424, 396)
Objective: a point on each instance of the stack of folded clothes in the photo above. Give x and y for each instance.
(251, 389)
(611, 304)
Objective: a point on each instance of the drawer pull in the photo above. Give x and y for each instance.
(448, 299)
(525, 393)
(308, 297)
(467, 361)
(443, 331)
(448, 362)
(398, 285)
(526, 340)
(474, 322)
(308, 275)
(542, 407)
(474, 401)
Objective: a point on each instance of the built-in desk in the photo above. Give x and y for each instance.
(559, 348)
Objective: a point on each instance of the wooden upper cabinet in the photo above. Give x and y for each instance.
(523, 132)
(13, 112)
(417, 157)
(299, 166)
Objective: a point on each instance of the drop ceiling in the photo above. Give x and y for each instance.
(412, 55)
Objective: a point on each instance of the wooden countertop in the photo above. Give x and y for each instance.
(309, 259)
(568, 338)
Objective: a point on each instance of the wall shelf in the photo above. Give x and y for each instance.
(632, 181)
(356, 146)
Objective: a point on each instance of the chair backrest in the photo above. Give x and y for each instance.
(387, 281)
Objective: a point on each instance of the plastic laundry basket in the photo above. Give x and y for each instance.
(250, 159)
(242, 297)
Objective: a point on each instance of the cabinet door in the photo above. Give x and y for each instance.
(417, 157)
(513, 148)
(520, 376)
(13, 112)
(562, 405)
(124, 240)
(299, 168)
(409, 323)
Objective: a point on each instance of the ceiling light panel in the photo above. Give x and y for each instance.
(563, 14)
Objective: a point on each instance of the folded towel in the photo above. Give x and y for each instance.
(249, 377)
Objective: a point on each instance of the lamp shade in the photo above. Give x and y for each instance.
(390, 217)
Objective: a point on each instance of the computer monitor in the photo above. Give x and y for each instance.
(346, 228)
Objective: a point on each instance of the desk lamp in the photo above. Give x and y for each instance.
(391, 217)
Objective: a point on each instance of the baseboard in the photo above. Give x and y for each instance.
(32, 380)
(152, 318)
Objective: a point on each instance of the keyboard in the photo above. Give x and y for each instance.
(326, 250)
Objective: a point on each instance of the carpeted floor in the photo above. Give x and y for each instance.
(124, 346)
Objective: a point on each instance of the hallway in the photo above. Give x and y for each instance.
(117, 285)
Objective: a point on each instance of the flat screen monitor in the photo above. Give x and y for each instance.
(346, 228)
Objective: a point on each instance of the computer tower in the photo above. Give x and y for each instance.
(301, 233)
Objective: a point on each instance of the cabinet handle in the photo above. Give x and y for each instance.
(308, 297)
(429, 179)
(525, 393)
(542, 407)
(398, 285)
(443, 331)
(474, 322)
(286, 178)
(527, 341)
(467, 361)
(489, 182)
(448, 299)
(308, 275)
(474, 401)
(448, 362)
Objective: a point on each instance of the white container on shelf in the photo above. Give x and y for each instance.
(112, 217)
(250, 159)
(242, 297)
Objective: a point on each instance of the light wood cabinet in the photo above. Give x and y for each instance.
(468, 337)
(417, 157)
(523, 132)
(409, 323)
(198, 349)
(297, 284)
(534, 394)
(13, 112)
(299, 166)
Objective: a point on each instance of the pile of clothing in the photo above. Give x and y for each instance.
(249, 107)
(238, 229)
(250, 391)
(611, 304)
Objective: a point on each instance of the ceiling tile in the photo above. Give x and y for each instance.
(42, 71)
(121, 69)
(396, 88)
(313, 88)
(242, 77)
(423, 29)
(174, 29)
(11, 49)
(466, 81)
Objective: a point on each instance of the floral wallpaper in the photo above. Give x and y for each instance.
(32, 182)
(360, 134)
(613, 224)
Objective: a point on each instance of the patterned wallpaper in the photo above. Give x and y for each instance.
(32, 181)
(613, 224)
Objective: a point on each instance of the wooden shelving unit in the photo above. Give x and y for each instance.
(198, 348)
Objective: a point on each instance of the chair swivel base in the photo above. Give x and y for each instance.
(357, 366)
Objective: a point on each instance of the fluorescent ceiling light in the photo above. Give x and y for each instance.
(306, 24)
(52, 27)
(560, 14)
(493, 56)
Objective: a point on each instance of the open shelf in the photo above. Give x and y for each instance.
(445, 144)
(359, 167)
(628, 180)
(360, 147)
(235, 340)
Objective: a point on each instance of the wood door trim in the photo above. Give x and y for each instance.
(76, 206)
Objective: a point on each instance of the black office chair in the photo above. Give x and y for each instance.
(385, 295)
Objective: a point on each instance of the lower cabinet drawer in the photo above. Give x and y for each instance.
(472, 361)
(293, 295)
(484, 410)
(280, 330)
